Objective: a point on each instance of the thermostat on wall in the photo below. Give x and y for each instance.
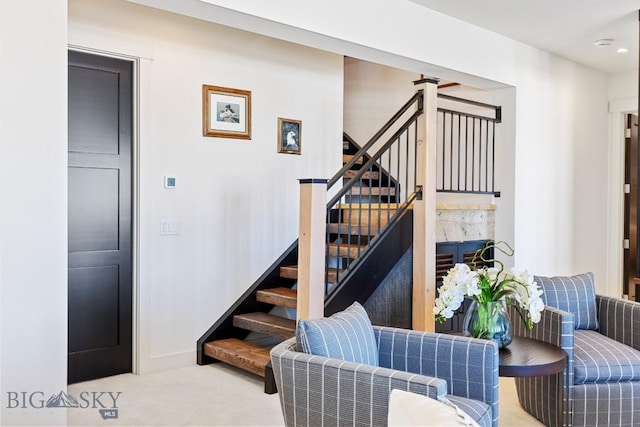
(169, 182)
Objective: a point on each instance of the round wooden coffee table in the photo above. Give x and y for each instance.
(526, 357)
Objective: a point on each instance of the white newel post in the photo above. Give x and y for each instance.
(424, 212)
(311, 248)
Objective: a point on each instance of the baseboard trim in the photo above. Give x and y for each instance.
(167, 362)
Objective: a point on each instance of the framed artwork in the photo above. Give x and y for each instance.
(226, 112)
(289, 136)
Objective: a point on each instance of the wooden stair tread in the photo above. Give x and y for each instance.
(345, 251)
(265, 323)
(366, 206)
(344, 228)
(242, 354)
(372, 191)
(363, 218)
(367, 175)
(284, 297)
(291, 272)
(347, 157)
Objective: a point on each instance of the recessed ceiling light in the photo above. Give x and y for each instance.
(622, 50)
(603, 42)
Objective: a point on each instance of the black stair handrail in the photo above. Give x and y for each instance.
(358, 226)
(374, 158)
(496, 108)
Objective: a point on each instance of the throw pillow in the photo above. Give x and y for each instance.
(575, 294)
(347, 335)
(411, 409)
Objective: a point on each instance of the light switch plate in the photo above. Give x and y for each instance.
(169, 182)
(169, 227)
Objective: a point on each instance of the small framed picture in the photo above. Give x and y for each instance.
(226, 112)
(289, 136)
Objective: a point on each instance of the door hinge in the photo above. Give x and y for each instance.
(627, 133)
(627, 188)
(625, 244)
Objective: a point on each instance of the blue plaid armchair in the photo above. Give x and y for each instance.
(325, 391)
(601, 336)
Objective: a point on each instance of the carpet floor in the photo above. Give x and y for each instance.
(211, 395)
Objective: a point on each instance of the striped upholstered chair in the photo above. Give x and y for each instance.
(317, 390)
(601, 336)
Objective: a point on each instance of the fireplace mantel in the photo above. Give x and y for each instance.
(461, 222)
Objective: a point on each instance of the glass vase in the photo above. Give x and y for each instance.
(489, 321)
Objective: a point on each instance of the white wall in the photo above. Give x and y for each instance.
(561, 151)
(372, 94)
(623, 86)
(237, 200)
(33, 206)
(403, 34)
(561, 107)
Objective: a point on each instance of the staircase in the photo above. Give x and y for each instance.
(365, 240)
(253, 357)
(270, 323)
(369, 228)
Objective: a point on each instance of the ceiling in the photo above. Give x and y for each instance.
(567, 28)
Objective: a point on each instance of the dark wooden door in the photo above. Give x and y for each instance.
(631, 212)
(100, 278)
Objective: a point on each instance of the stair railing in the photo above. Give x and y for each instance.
(466, 148)
(360, 212)
(415, 99)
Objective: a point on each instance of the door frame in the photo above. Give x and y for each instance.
(618, 109)
(135, 196)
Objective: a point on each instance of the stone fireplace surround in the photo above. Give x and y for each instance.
(462, 222)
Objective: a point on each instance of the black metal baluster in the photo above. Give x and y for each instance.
(444, 148)
(406, 165)
(379, 208)
(359, 230)
(459, 140)
(415, 158)
(338, 262)
(466, 152)
(369, 210)
(493, 160)
(451, 154)
(486, 155)
(473, 161)
(339, 240)
(390, 161)
(397, 185)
